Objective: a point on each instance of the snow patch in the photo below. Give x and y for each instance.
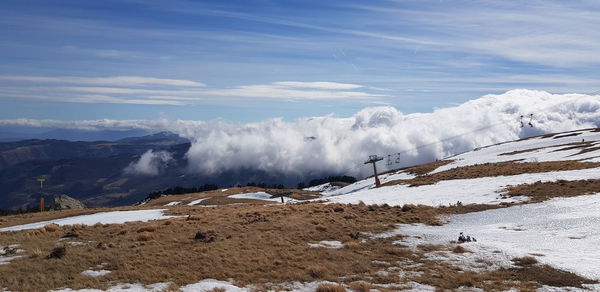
(98, 273)
(175, 203)
(196, 202)
(260, 196)
(210, 284)
(113, 217)
(123, 288)
(327, 244)
(325, 188)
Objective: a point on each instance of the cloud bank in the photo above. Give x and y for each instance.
(150, 163)
(315, 146)
(157, 91)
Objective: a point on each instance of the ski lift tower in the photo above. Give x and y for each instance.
(373, 159)
(41, 180)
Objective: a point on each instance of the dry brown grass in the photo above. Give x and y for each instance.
(541, 191)
(330, 288)
(520, 151)
(495, 169)
(273, 249)
(420, 169)
(525, 261)
(360, 286)
(270, 250)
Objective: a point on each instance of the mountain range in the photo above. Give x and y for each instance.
(95, 171)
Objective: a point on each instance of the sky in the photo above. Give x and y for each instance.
(250, 61)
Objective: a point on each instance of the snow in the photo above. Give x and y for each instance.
(547, 152)
(469, 191)
(327, 244)
(196, 202)
(93, 273)
(6, 260)
(123, 288)
(175, 203)
(210, 284)
(369, 183)
(326, 187)
(224, 190)
(564, 230)
(260, 196)
(113, 217)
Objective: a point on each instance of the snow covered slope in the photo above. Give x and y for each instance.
(582, 145)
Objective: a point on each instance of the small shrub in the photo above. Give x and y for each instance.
(36, 253)
(403, 252)
(360, 286)
(525, 261)
(318, 272)
(147, 229)
(206, 237)
(408, 207)
(145, 236)
(330, 288)
(321, 228)
(122, 232)
(352, 244)
(459, 249)
(58, 253)
(71, 234)
(338, 209)
(51, 228)
(217, 289)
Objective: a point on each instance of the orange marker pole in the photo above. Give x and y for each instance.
(41, 204)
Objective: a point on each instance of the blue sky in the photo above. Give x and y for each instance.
(247, 61)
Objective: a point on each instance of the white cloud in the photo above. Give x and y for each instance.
(110, 81)
(318, 85)
(150, 163)
(341, 145)
(174, 94)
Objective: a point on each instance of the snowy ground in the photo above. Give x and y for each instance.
(563, 232)
(483, 190)
(547, 153)
(211, 284)
(114, 217)
(196, 202)
(260, 196)
(325, 188)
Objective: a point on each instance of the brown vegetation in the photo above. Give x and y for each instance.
(262, 245)
(525, 261)
(541, 191)
(330, 288)
(250, 251)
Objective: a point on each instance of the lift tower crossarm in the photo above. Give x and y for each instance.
(373, 159)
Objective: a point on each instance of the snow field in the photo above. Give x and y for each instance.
(562, 232)
(548, 152)
(483, 190)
